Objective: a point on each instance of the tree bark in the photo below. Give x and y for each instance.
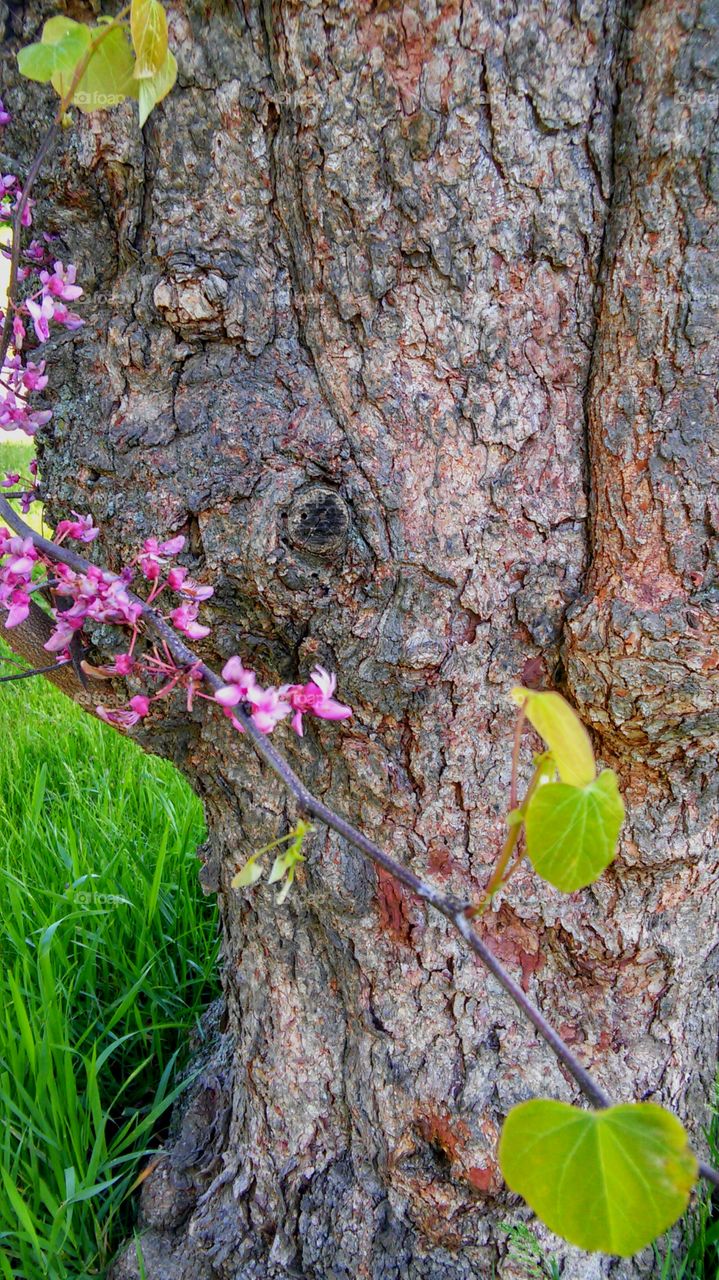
(406, 315)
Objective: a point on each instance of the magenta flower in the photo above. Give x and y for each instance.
(154, 554)
(268, 708)
(172, 547)
(18, 608)
(239, 683)
(67, 318)
(315, 698)
(23, 557)
(61, 284)
(125, 717)
(41, 313)
(5, 116)
(183, 619)
(81, 528)
(19, 332)
(34, 377)
(26, 219)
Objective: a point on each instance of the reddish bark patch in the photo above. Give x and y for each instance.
(515, 943)
(482, 1177)
(393, 908)
(440, 862)
(438, 1132)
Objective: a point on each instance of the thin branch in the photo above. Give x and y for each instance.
(451, 908)
(34, 671)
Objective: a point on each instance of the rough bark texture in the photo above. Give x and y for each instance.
(347, 331)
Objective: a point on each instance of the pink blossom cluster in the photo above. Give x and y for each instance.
(18, 559)
(95, 596)
(52, 287)
(268, 706)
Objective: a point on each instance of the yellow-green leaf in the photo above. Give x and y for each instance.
(148, 23)
(607, 1181)
(153, 91)
(250, 873)
(62, 45)
(572, 832)
(563, 732)
(108, 78)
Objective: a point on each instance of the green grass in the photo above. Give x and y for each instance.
(696, 1255)
(107, 958)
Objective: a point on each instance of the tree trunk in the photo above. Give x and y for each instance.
(406, 315)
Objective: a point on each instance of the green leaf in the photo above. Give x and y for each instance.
(572, 832)
(108, 77)
(148, 23)
(607, 1181)
(153, 91)
(62, 45)
(250, 873)
(563, 732)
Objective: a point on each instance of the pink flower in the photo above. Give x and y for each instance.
(172, 547)
(61, 284)
(5, 116)
(239, 683)
(268, 708)
(11, 479)
(26, 219)
(178, 580)
(315, 698)
(23, 557)
(184, 620)
(19, 333)
(34, 377)
(37, 419)
(41, 313)
(124, 717)
(18, 609)
(66, 625)
(154, 553)
(80, 528)
(36, 252)
(67, 318)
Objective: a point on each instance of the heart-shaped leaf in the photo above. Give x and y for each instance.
(608, 1181)
(62, 45)
(108, 78)
(572, 832)
(563, 732)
